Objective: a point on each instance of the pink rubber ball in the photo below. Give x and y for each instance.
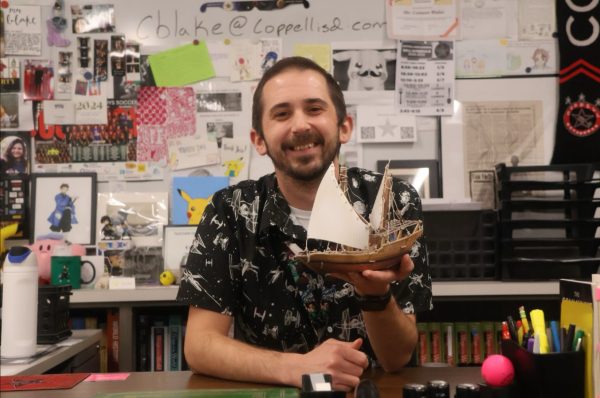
(497, 371)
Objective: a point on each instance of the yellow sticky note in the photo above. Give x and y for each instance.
(320, 53)
(182, 65)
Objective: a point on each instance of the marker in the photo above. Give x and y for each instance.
(520, 332)
(505, 332)
(578, 344)
(512, 328)
(569, 339)
(530, 344)
(555, 336)
(577, 340)
(539, 328)
(523, 316)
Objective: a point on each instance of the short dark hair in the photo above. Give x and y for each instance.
(301, 64)
(64, 185)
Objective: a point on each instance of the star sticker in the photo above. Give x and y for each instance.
(582, 118)
(388, 128)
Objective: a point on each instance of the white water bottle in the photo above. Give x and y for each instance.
(19, 304)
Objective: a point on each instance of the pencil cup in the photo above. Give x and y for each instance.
(552, 375)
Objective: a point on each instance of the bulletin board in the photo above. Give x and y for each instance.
(158, 25)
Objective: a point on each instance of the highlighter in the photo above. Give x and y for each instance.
(523, 317)
(577, 340)
(539, 328)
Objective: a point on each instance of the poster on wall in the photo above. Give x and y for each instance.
(93, 18)
(425, 78)
(9, 110)
(421, 19)
(365, 71)
(163, 113)
(10, 75)
(22, 30)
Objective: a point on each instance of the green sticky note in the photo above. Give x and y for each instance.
(182, 65)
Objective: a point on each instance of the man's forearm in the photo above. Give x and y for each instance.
(221, 356)
(393, 335)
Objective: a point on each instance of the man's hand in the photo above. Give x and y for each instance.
(342, 360)
(376, 283)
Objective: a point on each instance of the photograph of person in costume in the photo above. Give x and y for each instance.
(63, 217)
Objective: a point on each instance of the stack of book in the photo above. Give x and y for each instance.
(159, 343)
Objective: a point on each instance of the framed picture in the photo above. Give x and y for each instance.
(421, 174)
(65, 204)
(177, 243)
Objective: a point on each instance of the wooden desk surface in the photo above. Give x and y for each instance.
(79, 341)
(390, 385)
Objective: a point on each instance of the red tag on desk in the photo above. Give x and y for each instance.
(41, 382)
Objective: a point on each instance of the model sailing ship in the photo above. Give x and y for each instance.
(356, 242)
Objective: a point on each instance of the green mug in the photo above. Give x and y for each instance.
(66, 270)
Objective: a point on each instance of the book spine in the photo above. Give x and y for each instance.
(112, 337)
(158, 348)
(477, 347)
(174, 347)
(143, 344)
(449, 343)
(435, 334)
(423, 343)
(463, 337)
(489, 341)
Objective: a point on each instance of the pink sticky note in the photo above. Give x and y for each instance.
(107, 376)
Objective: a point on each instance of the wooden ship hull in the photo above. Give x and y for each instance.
(359, 260)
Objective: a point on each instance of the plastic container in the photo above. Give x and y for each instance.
(462, 244)
(19, 304)
(53, 314)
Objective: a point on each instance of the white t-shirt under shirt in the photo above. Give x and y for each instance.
(300, 217)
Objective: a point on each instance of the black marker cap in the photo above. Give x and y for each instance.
(438, 389)
(467, 390)
(414, 390)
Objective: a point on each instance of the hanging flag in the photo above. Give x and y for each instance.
(578, 120)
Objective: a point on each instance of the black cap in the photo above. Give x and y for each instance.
(467, 390)
(438, 389)
(414, 390)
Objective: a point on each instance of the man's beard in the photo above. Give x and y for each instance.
(296, 172)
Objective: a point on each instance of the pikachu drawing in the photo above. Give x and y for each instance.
(195, 206)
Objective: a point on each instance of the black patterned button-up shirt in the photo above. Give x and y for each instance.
(240, 265)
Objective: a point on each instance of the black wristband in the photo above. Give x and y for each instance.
(374, 303)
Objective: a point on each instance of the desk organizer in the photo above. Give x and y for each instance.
(461, 244)
(552, 375)
(53, 313)
(548, 221)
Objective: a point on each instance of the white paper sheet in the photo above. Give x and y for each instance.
(425, 77)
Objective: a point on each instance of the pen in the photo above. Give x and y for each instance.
(523, 316)
(539, 329)
(555, 336)
(550, 340)
(569, 339)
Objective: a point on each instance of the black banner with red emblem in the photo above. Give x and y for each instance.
(578, 121)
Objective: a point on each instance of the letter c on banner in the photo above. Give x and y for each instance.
(595, 26)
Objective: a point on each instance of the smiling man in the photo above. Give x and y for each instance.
(287, 320)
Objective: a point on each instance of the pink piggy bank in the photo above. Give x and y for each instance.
(45, 248)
